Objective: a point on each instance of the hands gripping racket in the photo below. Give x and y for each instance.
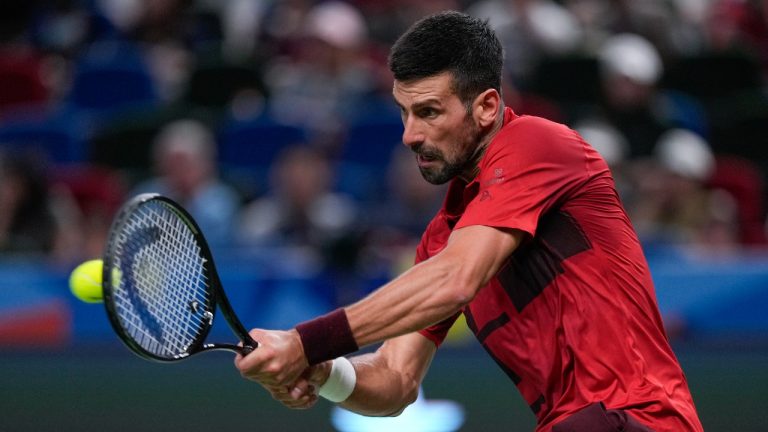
(160, 285)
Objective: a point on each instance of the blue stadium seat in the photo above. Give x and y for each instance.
(256, 143)
(58, 136)
(370, 142)
(110, 76)
(247, 148)
(365, 155)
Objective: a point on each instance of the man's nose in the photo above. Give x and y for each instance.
(412, 136)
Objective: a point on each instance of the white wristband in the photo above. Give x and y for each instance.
(340, 382)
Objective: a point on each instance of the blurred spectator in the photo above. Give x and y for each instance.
(301, 211)
(674, 204)
(62, 26)
(630, 70)
(743, 179)
(673, 27)
(242, 22)
(152, 21)
(185, 163)
(172, 35)
(654, 20)
(325, 76)
(22, 78)
(96, 193)
(529, 30)
(32, 220)
(608, 141)
(740, 25)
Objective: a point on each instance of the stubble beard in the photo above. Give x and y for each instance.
(464, 162)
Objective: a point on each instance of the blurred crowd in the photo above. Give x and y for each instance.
(272, 121)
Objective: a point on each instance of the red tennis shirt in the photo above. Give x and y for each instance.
(572, 317)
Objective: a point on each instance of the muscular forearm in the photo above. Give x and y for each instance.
(424, 295)
(389, 379)
(380, 391)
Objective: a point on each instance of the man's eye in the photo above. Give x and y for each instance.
(427, 112)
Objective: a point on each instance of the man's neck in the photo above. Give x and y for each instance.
(485, 140)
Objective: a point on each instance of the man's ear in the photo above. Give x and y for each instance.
(485, 108)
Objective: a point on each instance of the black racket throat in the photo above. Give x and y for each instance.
(161, 288)
(237, 349)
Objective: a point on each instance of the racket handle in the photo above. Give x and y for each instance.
(247, 349)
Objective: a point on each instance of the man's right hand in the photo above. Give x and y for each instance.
(302, 394)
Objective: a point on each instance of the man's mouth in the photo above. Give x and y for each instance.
(427, 155)
(425, 159)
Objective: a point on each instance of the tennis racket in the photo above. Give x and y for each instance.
(160, 284)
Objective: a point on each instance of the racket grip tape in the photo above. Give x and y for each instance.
(327, 337)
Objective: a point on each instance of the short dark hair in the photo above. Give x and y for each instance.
(452, 42)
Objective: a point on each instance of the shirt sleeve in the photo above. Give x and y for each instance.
(439, 331)
(528, 169)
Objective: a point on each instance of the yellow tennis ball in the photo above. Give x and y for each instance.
(85, 281)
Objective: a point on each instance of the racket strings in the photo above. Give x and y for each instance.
(168, 307)
(163, 294)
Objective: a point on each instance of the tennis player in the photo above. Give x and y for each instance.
(532, 245)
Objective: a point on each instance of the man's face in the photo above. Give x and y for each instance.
(437, 127)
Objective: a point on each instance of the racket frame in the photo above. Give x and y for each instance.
(218, 297)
